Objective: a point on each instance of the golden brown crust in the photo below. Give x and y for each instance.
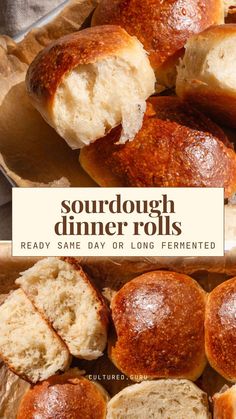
(162, 26)
(159, 322)
(177, 147)
(63, 55)
(63, 397)
(223, 406)
(220, 325)
(217, 31)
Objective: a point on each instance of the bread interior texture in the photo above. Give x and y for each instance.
(210, 63)
(220, 64)
(94, 98)
(68, 300)
(162, 399)
(26, 341)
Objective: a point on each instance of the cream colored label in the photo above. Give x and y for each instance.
(118, 222)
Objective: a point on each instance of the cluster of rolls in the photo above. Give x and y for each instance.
(166, 325)
(94, 88)
(163, 329)
(55, 314)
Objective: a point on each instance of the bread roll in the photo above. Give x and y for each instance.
(206, 76)
(162, 26)
(28, 345)
(225, 403)
(220, 324)
(162, 399)
(64, 295)
(86, 83)
(68, 396)
(159, 327)
(177, 146)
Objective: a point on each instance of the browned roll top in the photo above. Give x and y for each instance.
(163, 27)
(220, 326)
(68, 396)
(63, 55)
(224, 404)
(177, 146)
(159, 324)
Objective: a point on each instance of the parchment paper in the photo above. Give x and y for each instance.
(109, 273)
(31, 153)
(12, 388)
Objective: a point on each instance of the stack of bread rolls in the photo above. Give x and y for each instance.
(162, 27)
(94, 88)
(106, 91)
(164, 323)
(167, 152)
(81, 398)
(164, 328)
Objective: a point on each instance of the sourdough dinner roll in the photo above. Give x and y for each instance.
(159, 327)
(28, 345)
(220, 324)
(63, 293)
(206, 75)
(176, 147)
(86, 83)
(68, 396)
(162, 26)
(161, 399)
(225, 404)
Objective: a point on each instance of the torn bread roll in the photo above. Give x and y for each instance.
(225, 404)
(28, 345)
(163, 27)
(177, 146)
(86, 83)
(220, 324)
(206, 76)
(64, 295)
(161, 399)
(68, 396)
(159, 327)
